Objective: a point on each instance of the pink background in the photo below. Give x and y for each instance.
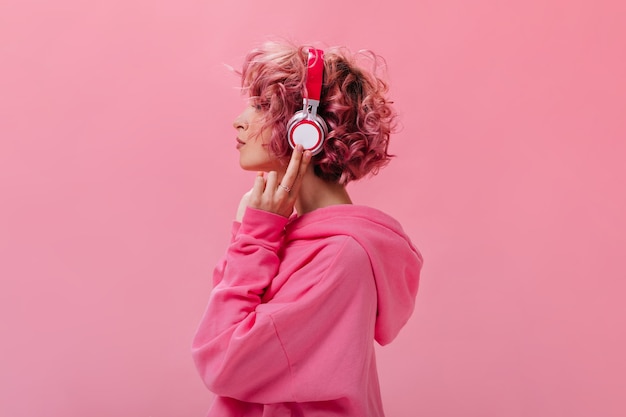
(119, 179)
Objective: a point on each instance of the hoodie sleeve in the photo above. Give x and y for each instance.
(218, 271)
(276, 351)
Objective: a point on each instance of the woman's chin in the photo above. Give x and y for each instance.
(256, 166)
(249, 167)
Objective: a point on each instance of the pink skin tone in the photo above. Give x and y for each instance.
(278, 191)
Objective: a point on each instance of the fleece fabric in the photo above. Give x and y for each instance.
(296, 305)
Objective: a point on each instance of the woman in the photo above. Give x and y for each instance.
(299, 298)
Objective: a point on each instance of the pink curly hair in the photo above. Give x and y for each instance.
(353, 103)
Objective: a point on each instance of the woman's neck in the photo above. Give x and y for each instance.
(316, 193)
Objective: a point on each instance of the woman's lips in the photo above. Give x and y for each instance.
(240, 143)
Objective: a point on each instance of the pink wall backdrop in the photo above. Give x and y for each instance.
(119, 179)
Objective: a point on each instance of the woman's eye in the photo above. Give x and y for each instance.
(260, 106)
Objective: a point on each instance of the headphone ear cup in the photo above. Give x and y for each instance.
(320, 120)
(297, 117)
(307, 131)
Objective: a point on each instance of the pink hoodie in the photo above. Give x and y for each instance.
(296, 306)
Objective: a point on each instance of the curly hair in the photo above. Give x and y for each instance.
(353, 102)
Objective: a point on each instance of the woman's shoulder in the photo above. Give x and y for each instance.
(342, 219)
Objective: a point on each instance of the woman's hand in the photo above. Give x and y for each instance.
(242, 206)
(273, 196)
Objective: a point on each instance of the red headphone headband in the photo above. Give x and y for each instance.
(315, 73)
(306, 127)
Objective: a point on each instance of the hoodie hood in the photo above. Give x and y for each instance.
(395, 261)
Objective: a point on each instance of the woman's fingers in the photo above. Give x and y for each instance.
(279, 197)
(270, 184)
(295, 171)
(289, 179)
(302, 167)
(243, 203)
(257, 190)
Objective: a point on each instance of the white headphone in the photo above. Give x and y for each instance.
(306, 127)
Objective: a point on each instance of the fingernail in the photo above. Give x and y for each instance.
(307, 155)
(259, 173)
(299, 148)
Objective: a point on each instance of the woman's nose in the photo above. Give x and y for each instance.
(239, 123)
